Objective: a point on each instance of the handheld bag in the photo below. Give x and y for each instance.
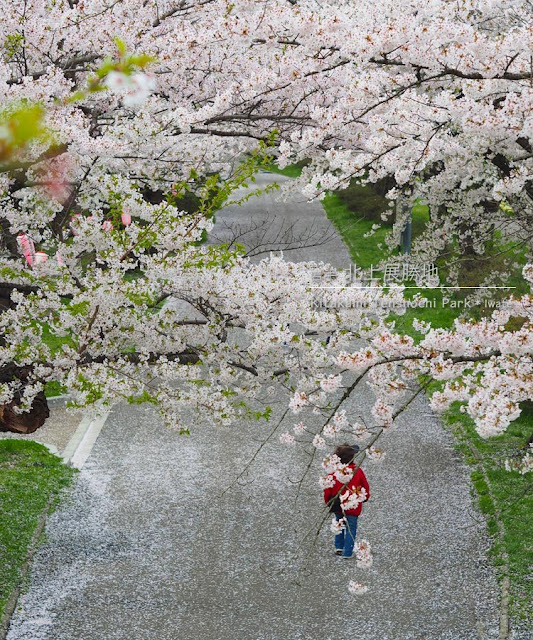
(335, 506)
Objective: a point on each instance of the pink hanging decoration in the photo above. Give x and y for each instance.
(27, 247)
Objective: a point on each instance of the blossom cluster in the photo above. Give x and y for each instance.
(522, 464)
(337, 526)
(352, 498)
(363, 553)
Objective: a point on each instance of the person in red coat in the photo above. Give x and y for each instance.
(345, 490)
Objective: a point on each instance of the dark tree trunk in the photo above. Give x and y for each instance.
(27, 422)
(8, 239)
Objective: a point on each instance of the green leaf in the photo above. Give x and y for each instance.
(121, 46)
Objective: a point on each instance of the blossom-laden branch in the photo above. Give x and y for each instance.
(110, 188)
(433, 92)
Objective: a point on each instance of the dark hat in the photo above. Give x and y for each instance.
(347, 452)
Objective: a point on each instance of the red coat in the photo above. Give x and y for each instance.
(358, 480)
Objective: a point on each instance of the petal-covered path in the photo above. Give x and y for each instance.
(160, 541)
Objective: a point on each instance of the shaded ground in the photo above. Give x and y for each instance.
(158, 541)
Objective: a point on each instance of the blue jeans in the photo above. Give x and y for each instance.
(345, 540)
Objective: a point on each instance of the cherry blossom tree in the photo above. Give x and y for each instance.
(124, 127)
(142, 107)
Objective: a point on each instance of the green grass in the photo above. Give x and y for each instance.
(419, 218)
(29, 477)
(352, 228)
(439, 314)
(507, 498)
(473, 273)
(292, 171)
(369, 251)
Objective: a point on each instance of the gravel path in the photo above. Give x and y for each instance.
(158, 540)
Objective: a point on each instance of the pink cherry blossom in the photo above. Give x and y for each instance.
(422, 94)
(375, 454)
(363, 553)
(352, 497)
(286, 438)
(298, 402)
(337, 526)
(27, 247)
(343, 473)
(331, 463)
(299, 428)
(319, 442)
(326, 482)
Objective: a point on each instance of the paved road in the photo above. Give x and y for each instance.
(158, 541)
(273, 222)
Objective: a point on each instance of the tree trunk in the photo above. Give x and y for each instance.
(27, 422)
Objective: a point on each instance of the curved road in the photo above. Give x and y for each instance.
(158, 540)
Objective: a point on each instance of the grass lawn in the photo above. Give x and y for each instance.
(30, 476)
(506, 499)
(292, 171)
(364, 251)
(369, 251)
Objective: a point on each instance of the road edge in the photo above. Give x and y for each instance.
(76, 453)
(83, 440)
